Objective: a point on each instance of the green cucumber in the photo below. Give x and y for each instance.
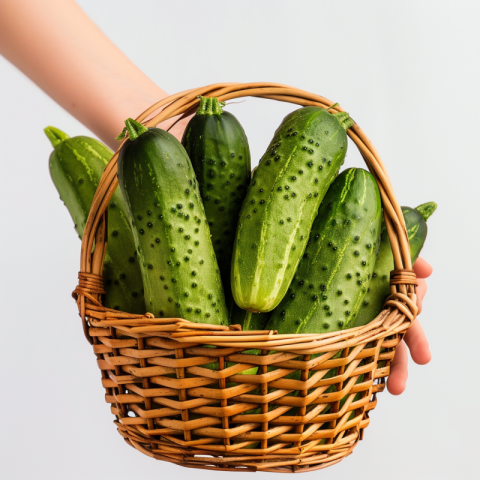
(246, 319)
(379, 287)
(333, 275)
(218, 149)
(76, 165)
(282, 201)
(179, 269)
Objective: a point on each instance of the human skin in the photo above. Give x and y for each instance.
(59, 48)
(415, 338)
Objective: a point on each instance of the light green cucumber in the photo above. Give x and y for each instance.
(282, 201)
(179, 269)
(332, 277)
(379, 287)
(76, 166)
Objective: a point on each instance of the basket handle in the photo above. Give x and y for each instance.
(186, 102)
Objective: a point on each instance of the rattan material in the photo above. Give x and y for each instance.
(307, 404)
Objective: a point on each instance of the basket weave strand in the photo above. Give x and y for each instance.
(277, 403)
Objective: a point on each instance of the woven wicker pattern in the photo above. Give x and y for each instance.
(213, 397)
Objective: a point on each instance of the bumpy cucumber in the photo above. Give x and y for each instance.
(247, 319)
(282, 201)
(179, 269)
(379, 287)
(218, 149)
(76, 165)
(333, 275)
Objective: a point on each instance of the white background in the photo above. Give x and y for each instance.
(408, 72)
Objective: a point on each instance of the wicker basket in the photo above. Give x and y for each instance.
(300, 411)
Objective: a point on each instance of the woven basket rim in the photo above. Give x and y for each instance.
(400, 307)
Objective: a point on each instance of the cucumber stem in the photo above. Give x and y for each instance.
(55, 135)
(344, 118)
(134, 129)
(426, 209)
(209, 106)
(333, 106)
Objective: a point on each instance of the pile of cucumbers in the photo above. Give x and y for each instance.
(296, 247)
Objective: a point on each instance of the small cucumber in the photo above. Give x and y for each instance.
(333, 275)
(218, 149)
(76, 165)
(178, 264)
(379, 287)
(282, 201)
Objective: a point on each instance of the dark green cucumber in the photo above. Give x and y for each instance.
(332, 277)
(178, 264)
(218, 149)
(282, 201)
(379, 287)
(76, 165)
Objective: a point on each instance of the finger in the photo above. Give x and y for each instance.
(422, 268)
(397, 379)
(417, 343)
(421, 292)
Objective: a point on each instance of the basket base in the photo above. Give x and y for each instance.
(301, 463)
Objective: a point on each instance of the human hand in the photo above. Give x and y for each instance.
(415, 337)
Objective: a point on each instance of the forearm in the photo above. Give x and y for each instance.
(58, 47)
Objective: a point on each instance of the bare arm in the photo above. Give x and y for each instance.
(57, 46)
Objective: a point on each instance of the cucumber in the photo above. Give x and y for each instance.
(76, 165)
(177, 261)
(218, 149)
(333, 275)
(379, 287)
(246, 319)
(282, 201)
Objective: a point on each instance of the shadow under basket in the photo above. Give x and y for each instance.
(213, 397)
